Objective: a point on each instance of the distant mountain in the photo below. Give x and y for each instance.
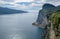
(10, 11)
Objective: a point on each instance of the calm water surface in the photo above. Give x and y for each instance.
(19, 26)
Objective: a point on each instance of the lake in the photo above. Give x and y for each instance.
(19, 26)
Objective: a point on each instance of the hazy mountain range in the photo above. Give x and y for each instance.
(10, 11)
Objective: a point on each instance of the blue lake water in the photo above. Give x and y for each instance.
(19, 26)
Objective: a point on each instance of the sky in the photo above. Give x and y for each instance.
(28, 5)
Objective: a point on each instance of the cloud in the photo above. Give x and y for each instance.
(21, 6)
(35, 4)
(24, 3)
(32, 2)
(40, 1)
(24, 0)
(8, 0)
(27, 4)
(18, 7)
(54, 2)
(17, 0)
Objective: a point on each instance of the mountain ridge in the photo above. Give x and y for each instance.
(10, 11)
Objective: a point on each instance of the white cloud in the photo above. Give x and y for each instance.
(12, 5)
(34, 11)
(8, 0)
(34, 4)
(14, 1)
(56, 3)
(21, 6)
(40, 1)
(24, 0)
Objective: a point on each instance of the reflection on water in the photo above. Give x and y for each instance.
(18, 26)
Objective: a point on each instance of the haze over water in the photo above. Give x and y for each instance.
(19, 26)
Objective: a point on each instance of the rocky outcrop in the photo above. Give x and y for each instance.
(45, 13)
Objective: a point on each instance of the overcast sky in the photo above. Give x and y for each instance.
(27, 4)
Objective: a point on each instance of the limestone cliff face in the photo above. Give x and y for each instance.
(45, 13)
(46, 9)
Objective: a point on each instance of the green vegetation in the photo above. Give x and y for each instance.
(55, 24)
